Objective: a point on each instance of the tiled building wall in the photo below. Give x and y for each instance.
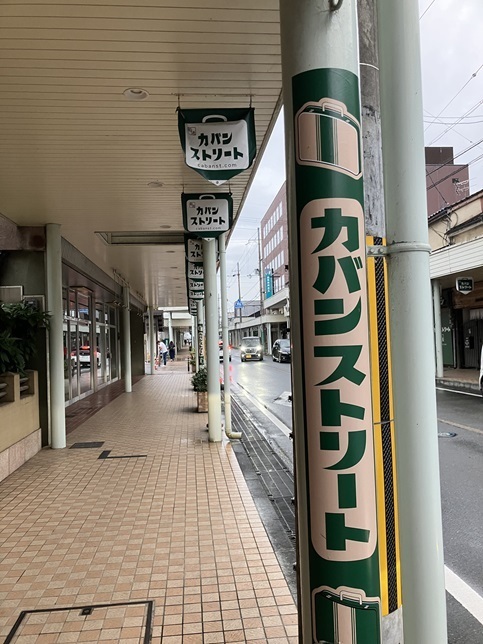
(274, 231)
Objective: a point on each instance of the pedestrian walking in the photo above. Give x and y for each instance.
(172, 350)
(163, 352)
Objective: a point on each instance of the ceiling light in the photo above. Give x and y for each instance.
(165, 226)
(170, 251)
(155, 184)
(135, 94)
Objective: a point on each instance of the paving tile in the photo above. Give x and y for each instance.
(76, 530)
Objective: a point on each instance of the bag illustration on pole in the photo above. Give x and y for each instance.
(327, 136)
(346, 615)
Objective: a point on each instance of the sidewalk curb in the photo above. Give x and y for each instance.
(458, 385)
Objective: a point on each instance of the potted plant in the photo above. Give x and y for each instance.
(18, 339)
(200, 385)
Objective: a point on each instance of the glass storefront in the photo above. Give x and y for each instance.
(90, 343)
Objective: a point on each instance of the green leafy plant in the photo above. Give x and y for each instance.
(200, 380)
(19, 324)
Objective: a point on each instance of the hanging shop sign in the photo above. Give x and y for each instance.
(196, 295)
(195, 271)
(193, 307)
(218, 143)
(464, 285)
(207, 215)
(343, 561)
(196, 285)
(194, 250)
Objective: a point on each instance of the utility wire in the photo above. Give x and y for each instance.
(450, 161)
(426, 10)
(450, 127)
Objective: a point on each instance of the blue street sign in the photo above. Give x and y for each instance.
(239, 304)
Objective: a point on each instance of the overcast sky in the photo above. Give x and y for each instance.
(452, 67)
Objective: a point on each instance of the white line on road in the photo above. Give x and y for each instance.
(464, 594)
(278, 423)
(469, 429)
(453, 391)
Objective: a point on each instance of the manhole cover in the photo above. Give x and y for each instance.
(447, 434)
(127, 622)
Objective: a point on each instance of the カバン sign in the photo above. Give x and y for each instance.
(339, 452)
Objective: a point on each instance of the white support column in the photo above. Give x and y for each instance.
(269, 338)
(212, 351)
(151, 340)
(420, 526)
(56, 339)
(126, 345)
(170, 326)
(438, 334)
(224, 331)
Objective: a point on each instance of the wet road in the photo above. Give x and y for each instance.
(461, 460)
(267, 381)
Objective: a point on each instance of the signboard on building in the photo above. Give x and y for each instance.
(218, 143)
(464, 285)
(193, 307)
(196, 295)
(207, 215)
(268, 283)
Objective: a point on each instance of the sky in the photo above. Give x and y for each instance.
(452, 73)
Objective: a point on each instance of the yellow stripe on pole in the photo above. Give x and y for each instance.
(385, 458)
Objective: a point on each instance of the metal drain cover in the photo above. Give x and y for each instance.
(129, 622)
(90, 445)
(447, 434)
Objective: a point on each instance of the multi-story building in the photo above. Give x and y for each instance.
(446, 181)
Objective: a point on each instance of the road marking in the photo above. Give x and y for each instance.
(260, 406)
(453, 391)
(464, 594)
(470, 429)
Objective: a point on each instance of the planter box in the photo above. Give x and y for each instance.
(20, 436)
(202, 397)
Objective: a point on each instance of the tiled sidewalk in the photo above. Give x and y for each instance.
(176, 525)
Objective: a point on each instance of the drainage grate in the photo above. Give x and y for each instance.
(276, 479)
(91, 445)
(81, 623)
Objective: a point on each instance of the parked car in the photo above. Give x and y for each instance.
(84, 355)
(281, 351)
(220, 347)
(251, 348)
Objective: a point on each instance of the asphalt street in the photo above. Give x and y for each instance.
(461, 459)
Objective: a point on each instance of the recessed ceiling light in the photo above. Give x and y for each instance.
(165, 226)
(155, 184)
(135, 94)
(170, 251)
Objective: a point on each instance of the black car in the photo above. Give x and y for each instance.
(281, 351)
(251, 349)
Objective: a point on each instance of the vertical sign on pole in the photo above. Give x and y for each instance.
(333, 436)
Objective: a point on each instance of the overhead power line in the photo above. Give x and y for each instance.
(426, 10)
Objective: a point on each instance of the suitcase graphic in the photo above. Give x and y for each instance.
(345, 616)
(327, 136)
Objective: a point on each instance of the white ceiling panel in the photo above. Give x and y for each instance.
(76, 152)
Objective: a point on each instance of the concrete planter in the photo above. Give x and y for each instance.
(20, 436)
(202, 397)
